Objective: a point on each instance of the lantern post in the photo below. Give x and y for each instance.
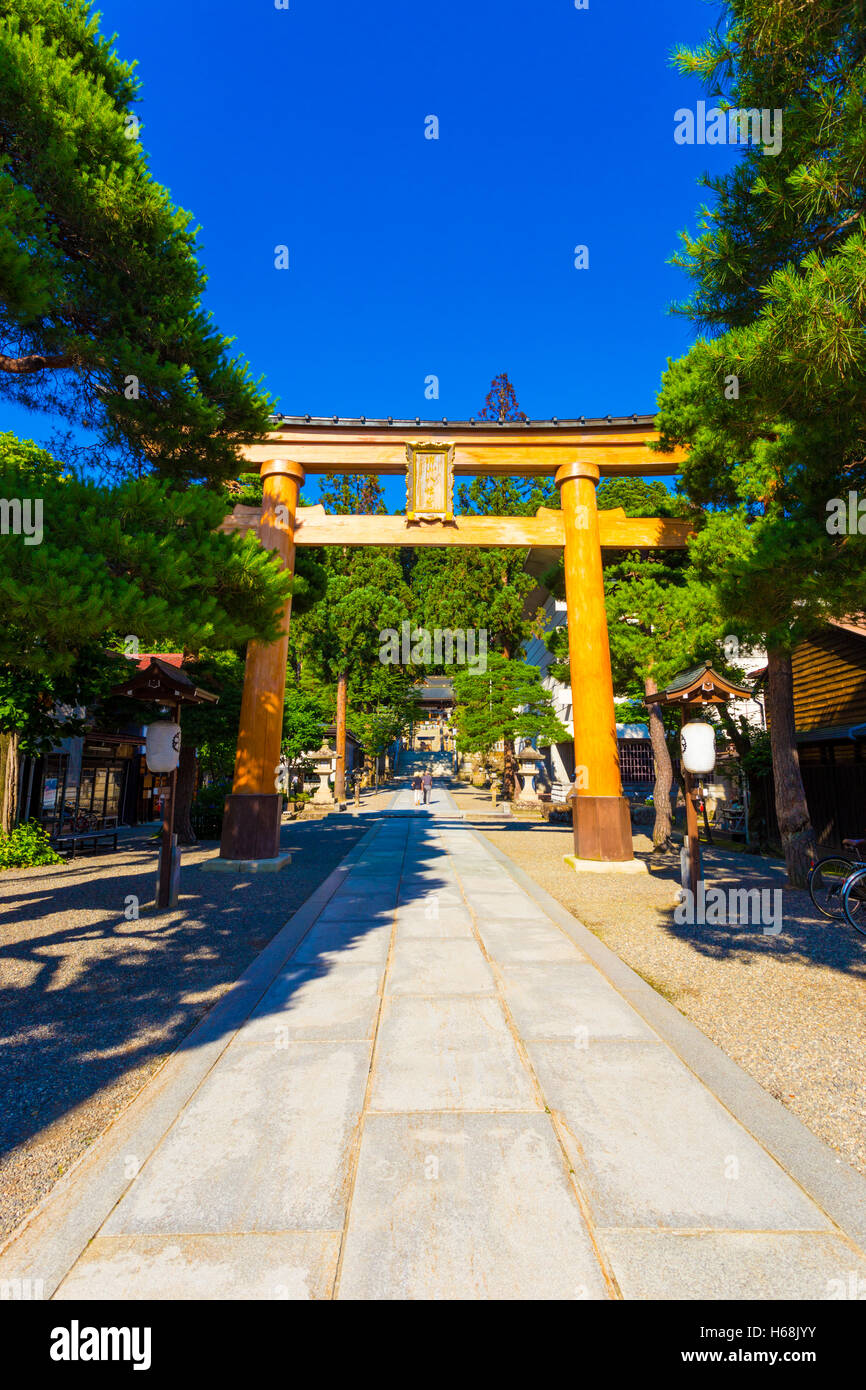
(689, 692)
(168, 843)
(161, 683)
(692, 837)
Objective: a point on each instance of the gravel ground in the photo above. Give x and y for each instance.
(788, 1008)
(93, 1003)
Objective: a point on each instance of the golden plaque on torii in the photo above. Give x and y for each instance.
(430, 482)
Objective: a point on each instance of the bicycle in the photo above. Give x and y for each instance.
(854, 900)
(828, 878)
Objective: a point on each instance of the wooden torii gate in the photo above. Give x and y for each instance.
(575, 452)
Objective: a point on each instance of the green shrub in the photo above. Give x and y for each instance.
(206, 815)
(26, 846)
(212, 797)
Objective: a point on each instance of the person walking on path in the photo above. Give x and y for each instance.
(416, 788)
(427, 783)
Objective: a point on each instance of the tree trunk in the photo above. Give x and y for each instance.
(8, 781)
(340, 773)
(184, 793)
(795, 825)
(509, 779)
(741, 741)
(664, 771)
(707, 831)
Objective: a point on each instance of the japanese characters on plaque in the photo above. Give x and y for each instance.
(430, 482)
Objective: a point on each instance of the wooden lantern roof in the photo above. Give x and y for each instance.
(160, 682)
(702, 685)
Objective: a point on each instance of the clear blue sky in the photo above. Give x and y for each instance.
(408, 256)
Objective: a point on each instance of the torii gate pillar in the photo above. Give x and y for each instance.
(602, 821)
(251, 825)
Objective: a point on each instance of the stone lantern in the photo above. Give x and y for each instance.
(478, 776)
(527, 770)
(323, 762)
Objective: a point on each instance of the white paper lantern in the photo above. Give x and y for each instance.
(698, 744)
(163, 747)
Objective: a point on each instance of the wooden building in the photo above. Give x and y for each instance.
(432, 730)
(829, 672)
(97, 780)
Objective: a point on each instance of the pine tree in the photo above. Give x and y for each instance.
(772, 405)
(505, 702)
(338, 640)
(106, 574)
(140, 561)
(335, 660)
(352, 494)
(501, 402)
(101, 317)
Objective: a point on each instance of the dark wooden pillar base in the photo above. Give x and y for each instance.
(602, 828)
(251, 826)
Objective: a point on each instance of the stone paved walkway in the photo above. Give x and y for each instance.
(436, 1095)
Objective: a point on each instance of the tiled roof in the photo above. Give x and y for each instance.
(289, 421)
(168, 658)
(856, 624)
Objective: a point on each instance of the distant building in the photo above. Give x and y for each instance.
(635, 752)
(95, 780)
(432, 730)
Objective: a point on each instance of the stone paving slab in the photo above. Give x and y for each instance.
(373, 884)
(656, 1149)
(465, 1206)
(566, 999)
(444, 892)
(439, 967)
(304, 1005)
(473, 865)
(517, 943)
(735, 1264)
(448, 1054)
(334, 942)
(442, 926)
(416, 889)
(263, 1146)
(434, 911)
(297, 1265)
(354, 905)
(505, 907)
